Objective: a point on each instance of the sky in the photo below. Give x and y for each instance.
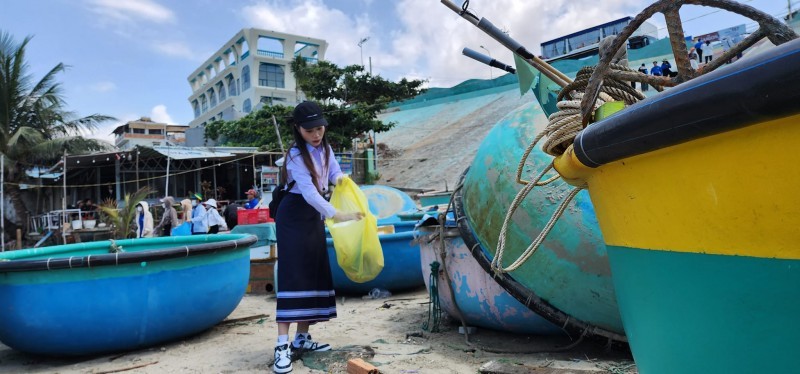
(132, 58)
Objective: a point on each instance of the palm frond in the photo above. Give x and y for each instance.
(121, 219)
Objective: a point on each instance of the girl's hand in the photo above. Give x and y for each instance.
(350, 216)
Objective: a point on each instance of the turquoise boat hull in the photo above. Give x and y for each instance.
(400, 270)
(758, 320)
(79, 299)
(473, 293)
(386, 202)
(568, 279)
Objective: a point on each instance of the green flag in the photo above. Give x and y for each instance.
(525, 74)
(543, 87)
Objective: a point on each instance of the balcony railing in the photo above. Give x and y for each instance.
(268, 83)
(262, 52)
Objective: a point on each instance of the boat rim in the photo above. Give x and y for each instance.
(120, 258)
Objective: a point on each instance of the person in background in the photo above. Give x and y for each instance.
(252, 200)
(708, 51)
(698, 47)
(169, 219)
(655, 70)
(693, 58)
(144, 220)
(186, 210)
(643, 70)
(199, 222)
(305, 293)
(231, 215)
(213, 219)
(666, 69)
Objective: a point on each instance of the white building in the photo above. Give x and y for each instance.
(145, 132)
(252, 67)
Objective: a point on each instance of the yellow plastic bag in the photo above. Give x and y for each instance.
(358, 249)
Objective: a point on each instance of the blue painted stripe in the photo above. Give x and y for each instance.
(313, 312)
(302, 294)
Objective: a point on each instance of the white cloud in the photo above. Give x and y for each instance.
(174, 49)
(132, 10)
(159, 114)
(430, 38)
(104, 86)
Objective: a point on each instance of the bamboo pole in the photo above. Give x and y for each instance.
(554, 74)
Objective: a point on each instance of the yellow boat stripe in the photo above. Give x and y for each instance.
(735, 193)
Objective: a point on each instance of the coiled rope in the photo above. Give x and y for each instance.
(562, 128)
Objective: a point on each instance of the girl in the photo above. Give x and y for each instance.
(305, 293)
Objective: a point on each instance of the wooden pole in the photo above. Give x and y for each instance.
(64, 218)
(3, 201)
(19, 238)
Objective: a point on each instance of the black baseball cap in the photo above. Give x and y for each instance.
(309, 115)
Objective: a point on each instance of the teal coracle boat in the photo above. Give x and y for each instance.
(568, 279)
(100, 297)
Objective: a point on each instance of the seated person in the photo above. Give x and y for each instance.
(252, 200)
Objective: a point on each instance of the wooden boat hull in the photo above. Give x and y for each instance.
(154, 294)
(478, 297)
(702, 227)
(400, 271)
(568, 280)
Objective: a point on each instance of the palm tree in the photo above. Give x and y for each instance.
(35, 125)
(122, 219)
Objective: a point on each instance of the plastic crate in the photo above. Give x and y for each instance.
(262, 215)
(246, 217)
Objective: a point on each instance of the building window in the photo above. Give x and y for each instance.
(247, 106)
(156, 132)
(196, 109)
(204, 103)
(213, 97)
(231, 86)
(221, 90)
(245, 78)
(270, 75)
(138, 131)
(269, 100)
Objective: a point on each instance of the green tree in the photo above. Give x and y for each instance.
(35, 124)
(350, 97)
(122, 219)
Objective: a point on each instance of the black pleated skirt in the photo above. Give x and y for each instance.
(305, 285)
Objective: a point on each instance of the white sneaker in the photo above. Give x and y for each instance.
(283, 359)
(309, 345)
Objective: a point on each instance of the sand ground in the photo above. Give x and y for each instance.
(384, 332)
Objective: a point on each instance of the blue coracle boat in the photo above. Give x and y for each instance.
(467, 291)
(401, 269)
(91, 298)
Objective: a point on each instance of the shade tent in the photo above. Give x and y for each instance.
(91, 175)
(188, 153)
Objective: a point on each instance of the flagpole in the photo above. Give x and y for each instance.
(166, 188)
(3, 201)
(64, 219)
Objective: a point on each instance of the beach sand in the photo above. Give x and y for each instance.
(384, 332)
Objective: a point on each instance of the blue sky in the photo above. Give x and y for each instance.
(131, 58)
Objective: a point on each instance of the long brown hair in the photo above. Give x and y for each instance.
(300, 144)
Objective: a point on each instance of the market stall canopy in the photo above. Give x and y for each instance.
(187, 153)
